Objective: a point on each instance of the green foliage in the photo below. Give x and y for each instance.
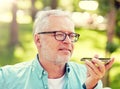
(115, 76)
(117, 28)
(25, 50)
(76, 5)
(111, 47)
(104, 6)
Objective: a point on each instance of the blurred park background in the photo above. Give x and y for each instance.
(97, 22)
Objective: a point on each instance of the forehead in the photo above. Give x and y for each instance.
(60, 23)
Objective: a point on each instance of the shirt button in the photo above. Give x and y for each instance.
(45, 87)
(44, 72)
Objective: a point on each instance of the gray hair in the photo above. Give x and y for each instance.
(42, 22)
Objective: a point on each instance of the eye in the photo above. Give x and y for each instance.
(72, 35)
(59, 34)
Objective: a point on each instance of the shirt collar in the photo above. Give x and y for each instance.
(37, 66)
(39, 69)
(67, 68)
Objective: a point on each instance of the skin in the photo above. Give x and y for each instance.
(53, 54)
(96, 70)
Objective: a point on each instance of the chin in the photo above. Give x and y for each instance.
(63, 59)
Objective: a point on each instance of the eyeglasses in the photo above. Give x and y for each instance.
(61, 36)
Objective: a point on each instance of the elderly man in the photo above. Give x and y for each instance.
(54, 37)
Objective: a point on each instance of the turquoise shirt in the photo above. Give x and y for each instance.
(31, 75)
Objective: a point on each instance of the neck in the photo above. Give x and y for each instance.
(54, 70)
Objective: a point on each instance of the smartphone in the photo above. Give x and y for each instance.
(105, 60)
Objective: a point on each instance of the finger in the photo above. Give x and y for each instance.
(99, 64)
(96, 56)
(88, 74)
(93, 74)
(109, 64)
(90, 71)
(92, 66)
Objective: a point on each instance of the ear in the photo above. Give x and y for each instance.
(37, 40)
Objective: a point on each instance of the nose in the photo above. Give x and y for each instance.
(67, 39)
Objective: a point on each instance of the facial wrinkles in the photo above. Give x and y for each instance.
(52, 54)
(50, 47)
(45, 48)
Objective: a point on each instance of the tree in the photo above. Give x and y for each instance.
(108, 7)
(53, 4)
(14, 26)
(33, 9)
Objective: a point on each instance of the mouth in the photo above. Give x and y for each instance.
(65, 50)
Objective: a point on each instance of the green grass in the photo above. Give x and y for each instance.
(91, 42)
(23, 51)
(115, 76)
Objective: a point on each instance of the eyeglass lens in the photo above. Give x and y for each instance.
(62, 36)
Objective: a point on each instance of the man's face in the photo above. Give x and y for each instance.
(53, 50)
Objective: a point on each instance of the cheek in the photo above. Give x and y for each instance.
(48, 50)
(48, 45)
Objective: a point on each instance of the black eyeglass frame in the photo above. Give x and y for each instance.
(76, 35)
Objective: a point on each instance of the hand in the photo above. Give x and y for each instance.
(95, 71)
